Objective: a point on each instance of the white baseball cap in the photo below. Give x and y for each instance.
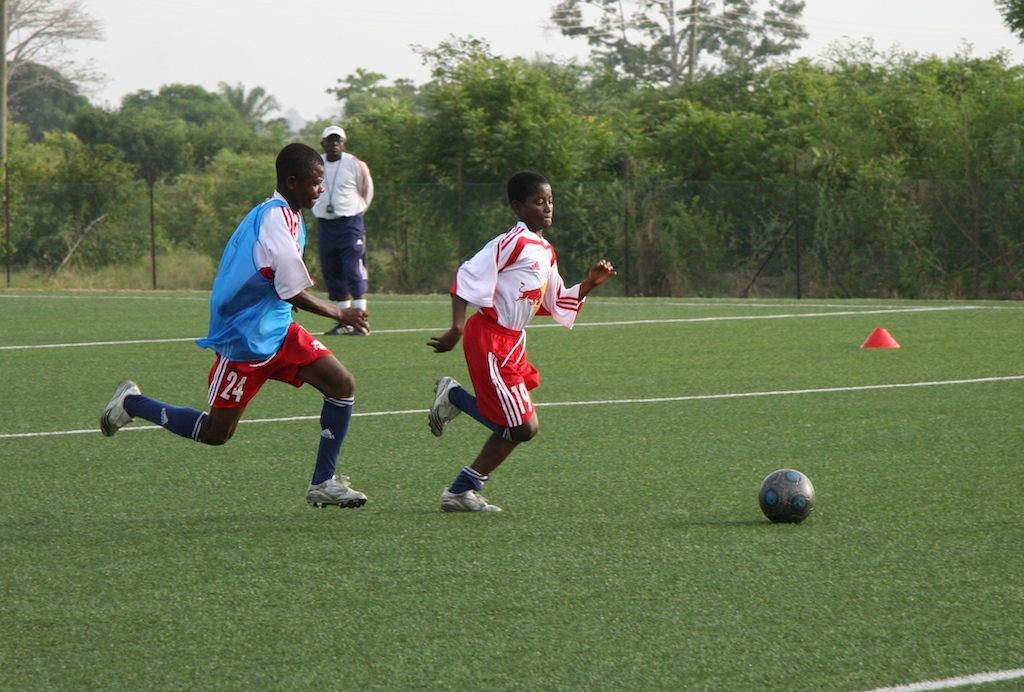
(333, 130)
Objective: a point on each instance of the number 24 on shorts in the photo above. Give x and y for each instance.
(234, 387)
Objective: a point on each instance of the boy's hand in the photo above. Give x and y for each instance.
(601, 272)
(446, 341)
(356, 317)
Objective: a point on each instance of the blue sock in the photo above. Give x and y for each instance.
(467, 402)
(334, 419)
(180, 420)
(468, 479)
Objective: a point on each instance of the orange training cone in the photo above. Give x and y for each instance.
(880, 339)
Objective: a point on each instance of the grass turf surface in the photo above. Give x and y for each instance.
(631, 553)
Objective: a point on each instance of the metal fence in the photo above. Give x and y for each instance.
(950, 239)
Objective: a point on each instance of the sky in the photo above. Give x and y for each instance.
(297, 50)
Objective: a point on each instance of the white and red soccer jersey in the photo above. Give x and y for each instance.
(514, 277)
(277, 253)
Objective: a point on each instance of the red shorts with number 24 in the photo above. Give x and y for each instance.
(501, 372)
(233, 384)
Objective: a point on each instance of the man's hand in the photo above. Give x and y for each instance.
(356, 317)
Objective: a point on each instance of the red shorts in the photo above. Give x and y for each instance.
(500, 369)
(234, 384)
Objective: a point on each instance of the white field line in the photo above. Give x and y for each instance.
(949, 683)
(681, 320)
(32, 347)
(105, 296)
(605, 402)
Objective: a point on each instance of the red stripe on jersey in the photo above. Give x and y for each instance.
(522, 244)
(292, 222)
(510, 237)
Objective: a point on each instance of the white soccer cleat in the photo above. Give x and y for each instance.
(443, 410)
(334, 491)
(469, 501)
(114, 417)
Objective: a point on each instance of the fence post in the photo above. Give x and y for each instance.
(977, 226)
(4, 76)
(7, 216)
(152, 228)
(460, 215)
(627, 204)
(796, 223)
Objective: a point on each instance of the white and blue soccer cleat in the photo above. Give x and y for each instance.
(334, 491)
(469, 501)
(442, 411)
(114, 417)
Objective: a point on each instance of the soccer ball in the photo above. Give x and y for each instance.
(786, 496)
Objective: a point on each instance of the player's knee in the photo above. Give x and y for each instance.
(215, 437)
(525, 432)
(343, 387)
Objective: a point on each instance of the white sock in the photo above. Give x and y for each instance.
(359, 303)
(344, 304)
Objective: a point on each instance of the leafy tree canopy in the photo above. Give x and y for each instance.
(497, 116)
(663, 41)
(1013, 15)
(253, 105)
(365, 91)
(49, 106)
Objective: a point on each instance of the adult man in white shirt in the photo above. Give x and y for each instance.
(340, 229)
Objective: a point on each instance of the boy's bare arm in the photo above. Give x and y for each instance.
(599, 273)
(450, 338)
(357, 317)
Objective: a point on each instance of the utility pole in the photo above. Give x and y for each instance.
(3, 136)
(3, 82)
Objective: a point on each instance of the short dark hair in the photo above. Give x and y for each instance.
(522, 184)
(298, 160)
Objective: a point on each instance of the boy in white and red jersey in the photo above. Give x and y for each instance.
(260, 279)
(514, 277)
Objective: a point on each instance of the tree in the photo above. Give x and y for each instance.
(365, 91)
(211, 124)
(180, 128)
(1013, 15)
(72, 201)
(660, 41)
(498, 115)
(50, 106)
(153, 143)
(253, 105)
(38, 32)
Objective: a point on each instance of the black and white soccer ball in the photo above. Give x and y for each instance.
(786, 496)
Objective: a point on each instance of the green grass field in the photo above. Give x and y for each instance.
(631, 553)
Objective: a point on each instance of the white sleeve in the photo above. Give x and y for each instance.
(563, 304)
(478, 276)
(366, 186)
(277, 253)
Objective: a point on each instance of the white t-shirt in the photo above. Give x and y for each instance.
(277, 253)
(348, 188)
